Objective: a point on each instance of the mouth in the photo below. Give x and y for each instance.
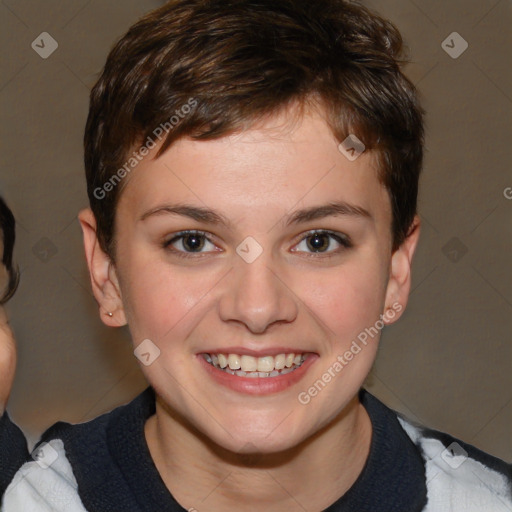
(247, 366)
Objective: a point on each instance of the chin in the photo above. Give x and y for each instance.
(256, 445)
(263, 435)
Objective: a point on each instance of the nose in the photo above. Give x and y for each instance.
(257, 297)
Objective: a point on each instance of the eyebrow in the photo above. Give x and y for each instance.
(328, 210)
(301, 216)
(194, 212)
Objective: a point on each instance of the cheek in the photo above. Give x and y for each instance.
(348, 299)
(160, 300)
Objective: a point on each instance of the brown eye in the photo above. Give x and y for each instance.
(189, 243)
(320, 242)
(193, 243)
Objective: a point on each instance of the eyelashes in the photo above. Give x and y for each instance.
(191, 243)
(317, 235)
(197, 239)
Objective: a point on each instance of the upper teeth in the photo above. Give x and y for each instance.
(255, 364)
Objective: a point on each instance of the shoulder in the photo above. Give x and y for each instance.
(13, 451)
(45, 483)
(460, 477)
(73, 462)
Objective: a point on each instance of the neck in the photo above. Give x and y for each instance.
(311, 476)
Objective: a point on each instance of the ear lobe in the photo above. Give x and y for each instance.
(399, 283)
(105, 285)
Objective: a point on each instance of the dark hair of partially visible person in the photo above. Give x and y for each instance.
(8, 235)
(241, 61)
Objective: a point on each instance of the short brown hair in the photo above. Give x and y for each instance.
(241, 60)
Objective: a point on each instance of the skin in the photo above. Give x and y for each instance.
(7, 345)
(215, 448)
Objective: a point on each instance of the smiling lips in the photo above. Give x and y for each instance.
(249, 366)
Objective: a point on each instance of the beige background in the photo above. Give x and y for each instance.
(447, 363)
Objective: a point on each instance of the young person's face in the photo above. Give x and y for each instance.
(289, 300)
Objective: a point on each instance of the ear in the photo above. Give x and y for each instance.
(104, 281)
(399, 284)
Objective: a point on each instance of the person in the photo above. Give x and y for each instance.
(9, 279)
(9, 275)
(252, 169)
(11, 436)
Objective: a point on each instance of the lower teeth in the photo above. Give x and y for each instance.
(241, 373)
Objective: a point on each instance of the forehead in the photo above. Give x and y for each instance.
(274, 165)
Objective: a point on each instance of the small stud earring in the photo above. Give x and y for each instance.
(110, 314)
